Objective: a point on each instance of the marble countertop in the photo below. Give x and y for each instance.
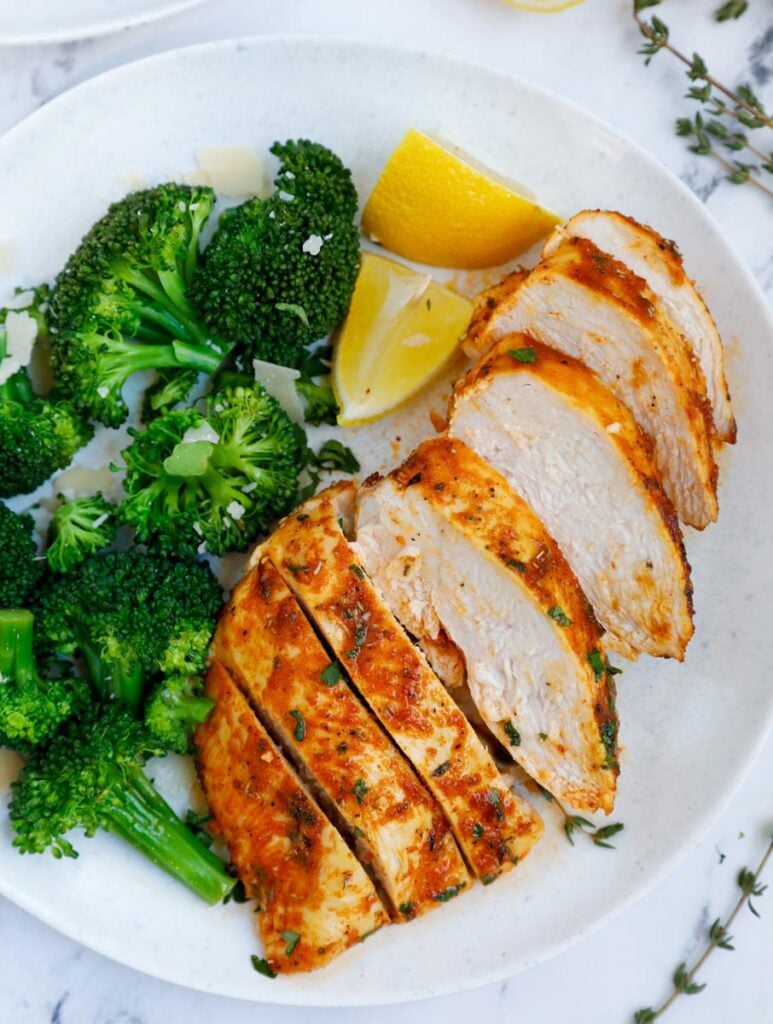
(587, 54)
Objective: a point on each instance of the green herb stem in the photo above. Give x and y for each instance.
(719, 936)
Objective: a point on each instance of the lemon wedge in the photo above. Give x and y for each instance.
(402, 327)
(543, 6)
(436, 205)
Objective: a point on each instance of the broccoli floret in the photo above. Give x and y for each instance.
(37, 435)
(218, 492)
(279, 273)
(90, 777)
(171, 388)
(132, 617)
(120, 305)
(31, 708)
(173, 710)
(319, 401)
(20, 568)
(79, 528)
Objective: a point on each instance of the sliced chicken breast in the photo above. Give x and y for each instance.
(477, 560)
(494, 828)
(315, 899)
(368, 788)
(658, 262)
(575, 453)
(591, 307)
(476, 340)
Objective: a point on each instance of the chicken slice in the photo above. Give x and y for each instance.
(315, 899)
(493, 827)
(588, 305)
(505, 595)
(658, 262)
(476, 343)
(366, 786)
(575, 453)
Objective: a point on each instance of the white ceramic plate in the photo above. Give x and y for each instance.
(26, 22)
(689, 732)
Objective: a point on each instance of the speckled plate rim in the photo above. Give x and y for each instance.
(116, 947)
(91, 29)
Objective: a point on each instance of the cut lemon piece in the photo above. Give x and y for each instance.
(436, 205)
(544, 6)
(401, 329)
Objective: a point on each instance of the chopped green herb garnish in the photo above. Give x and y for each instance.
(513, 563)
(488, 879)
(477, 830)
(331, 674)
(358, 832)
(523, 355)
(448, 894)
(406, 909)
(542, 735)
(441, 769)
(559, 615)
(292, 939)
(358, 572)
(300, 726)
(496, 801)
(359, 790)
(295, 569)
(512, 733)
(596, 663)
(262, 966)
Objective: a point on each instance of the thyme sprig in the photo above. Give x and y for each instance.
(719, 937)
(719, 124)
(574, 823)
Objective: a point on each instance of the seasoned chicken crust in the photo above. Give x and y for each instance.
(289, 857)
(494, 828)
(370, 790)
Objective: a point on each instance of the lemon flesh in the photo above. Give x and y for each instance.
(401, 329)
(436, 205)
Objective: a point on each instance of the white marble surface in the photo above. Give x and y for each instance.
(587, 54)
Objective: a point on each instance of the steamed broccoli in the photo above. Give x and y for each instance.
(279, 273)
(20, 568)
(37, 435)
(214, 481)
(319, 401)
(31, 708)
(132, 617)
(90, 777)
(120, 305)
(174, 709)
(79, 528)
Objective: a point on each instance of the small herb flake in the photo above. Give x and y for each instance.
(360, 789)
(262, 966)
(441, 769)
(292, 939)
(596, 662)
(488, 879)
(512, 733)
(331, 675)
(495, 800)
(558, 615)
(406, 909)
(358, 571)
(514, 563)
(477, 830)
(300, 726)
(523, 355)
(448, 894)
(542, 736)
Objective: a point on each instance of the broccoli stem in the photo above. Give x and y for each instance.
(139, 814)
(125, 682)
(17, 656)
